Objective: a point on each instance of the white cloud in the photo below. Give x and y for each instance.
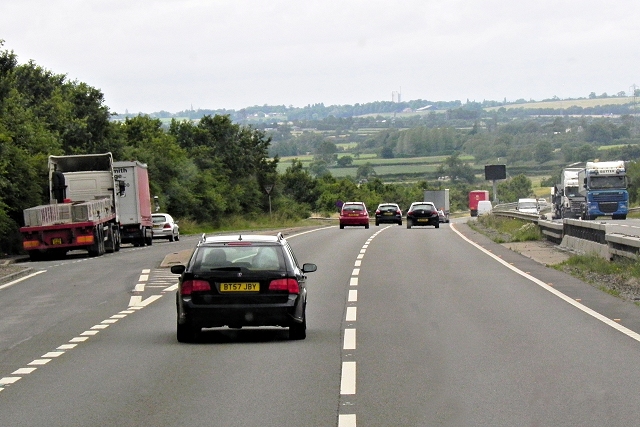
(171, 54)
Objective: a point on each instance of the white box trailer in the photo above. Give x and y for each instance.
(134, 203)
(440, 198)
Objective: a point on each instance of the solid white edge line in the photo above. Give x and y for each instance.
(6, 285)
(554, 291)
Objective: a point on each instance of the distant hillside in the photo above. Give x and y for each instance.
(562, 104)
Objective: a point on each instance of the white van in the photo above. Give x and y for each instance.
(484, 207)
(528, 206)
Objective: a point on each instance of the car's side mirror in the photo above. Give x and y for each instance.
(178, 269)
(306, 268)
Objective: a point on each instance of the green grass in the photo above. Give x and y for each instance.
(560, 104)
(502, 229)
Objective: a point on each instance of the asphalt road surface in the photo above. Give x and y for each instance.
(420, 327)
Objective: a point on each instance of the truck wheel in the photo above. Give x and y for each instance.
(36, 256)
(97, 248)
(116, 238)
(110, 244)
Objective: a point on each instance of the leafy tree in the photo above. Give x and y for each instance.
(515, 188)
(345, 161)
(543, 151)
(299, 184)
(326, 152)
(365, 171)
(457, 169)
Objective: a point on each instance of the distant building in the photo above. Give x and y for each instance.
(396, 96)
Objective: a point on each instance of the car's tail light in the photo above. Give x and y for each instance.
(290, 285)
(189, 286)
(377, 211)
(167, 225)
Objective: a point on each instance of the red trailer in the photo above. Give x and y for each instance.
(474, 197)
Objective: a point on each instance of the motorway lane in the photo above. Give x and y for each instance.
(448, 336)
(444, 335)
(134, 372)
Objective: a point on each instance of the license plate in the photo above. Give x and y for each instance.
(56, 241)
(240, 287)
(388, 213)
(353, 214)
(423, 220)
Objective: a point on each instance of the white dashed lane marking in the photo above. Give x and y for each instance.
(348, 373)
(136, 303)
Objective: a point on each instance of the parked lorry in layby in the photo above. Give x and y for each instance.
(136, 225)
(604, 188)
(474, 197)
(440, 198)
(566, 198)
(83, 212)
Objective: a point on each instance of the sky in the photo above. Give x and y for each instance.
(174, 55)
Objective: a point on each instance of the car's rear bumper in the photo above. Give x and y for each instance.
(419, 222)
(236, 315)
(162, 234)
(387, 218)
(354, 221)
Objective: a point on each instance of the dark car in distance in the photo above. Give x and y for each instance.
(421, 214)
(241, 280)
(355, 214)
(388, 213)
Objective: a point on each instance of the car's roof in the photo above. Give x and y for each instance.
(160, 214)
(388, 204)
(237, 238)
(353, 203)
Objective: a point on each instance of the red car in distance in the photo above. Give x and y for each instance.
(354, 214)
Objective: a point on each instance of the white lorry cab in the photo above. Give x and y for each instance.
(528, 206)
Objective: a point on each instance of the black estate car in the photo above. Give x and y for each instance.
(241, 280)
(422, 213)
(388, 212)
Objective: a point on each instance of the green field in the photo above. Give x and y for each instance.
(395, 166)
(560, 104)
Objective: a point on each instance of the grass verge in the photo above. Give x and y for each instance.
(504, 230)
(619, 277)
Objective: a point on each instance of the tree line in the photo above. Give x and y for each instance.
(214, 169)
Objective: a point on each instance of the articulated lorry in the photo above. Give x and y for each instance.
(440, 198)
(83, 212)
(136, 225)
(567, 200)
(604, 188)
(474, 197)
